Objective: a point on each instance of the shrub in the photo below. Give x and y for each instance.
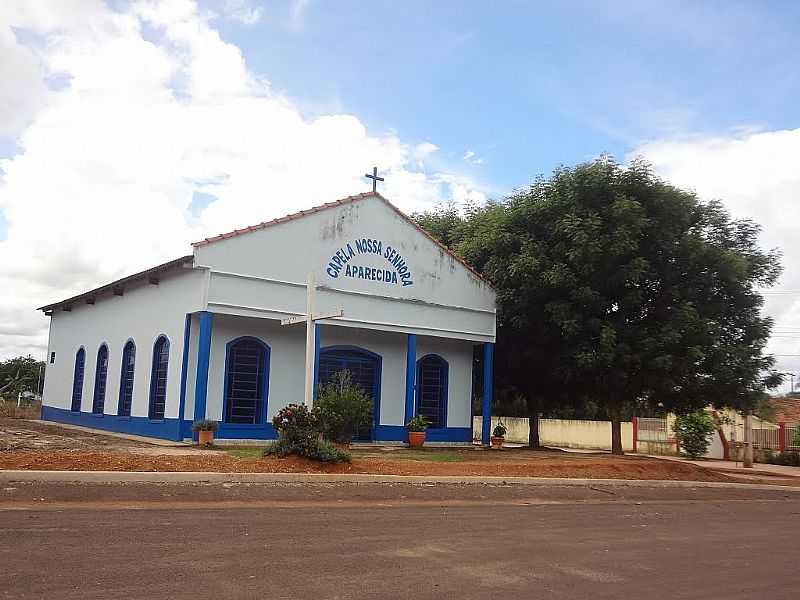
(343, 408)
(789, 459)
(418, 423)
(693, 431)
(500, 430)
(296, 422)
(205, 425)
(313, 448)
(796, 440)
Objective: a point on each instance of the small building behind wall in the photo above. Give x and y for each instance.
(201, 336)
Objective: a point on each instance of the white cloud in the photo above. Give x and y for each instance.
(471, 158)
(756, 175)
(155, 107)
(243, 12)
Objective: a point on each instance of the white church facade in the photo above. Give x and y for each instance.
(202, 336)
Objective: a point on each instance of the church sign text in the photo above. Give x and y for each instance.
(398, 272)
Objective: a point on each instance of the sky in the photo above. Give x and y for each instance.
(130, 129)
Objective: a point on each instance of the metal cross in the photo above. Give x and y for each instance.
(374, 177)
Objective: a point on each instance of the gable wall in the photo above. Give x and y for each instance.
(264, 273)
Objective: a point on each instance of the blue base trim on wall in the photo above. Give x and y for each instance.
(398, 433)
(163, 428)
(166, 428)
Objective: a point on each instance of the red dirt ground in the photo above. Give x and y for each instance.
(538, 465)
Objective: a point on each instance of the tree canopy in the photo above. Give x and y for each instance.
(19, 375)
(615, 287)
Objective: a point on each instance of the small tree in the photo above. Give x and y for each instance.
(693, 431)
(343, 408)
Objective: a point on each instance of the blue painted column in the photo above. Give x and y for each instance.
(411, 374)
(203, 360)
(317, 345)
(488, 376)
(187, 330)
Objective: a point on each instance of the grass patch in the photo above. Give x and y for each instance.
(246, 452)
(419, 455)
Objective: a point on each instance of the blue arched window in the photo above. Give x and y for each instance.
(246, 381)
(365, 370)
(432, 389)
(158, 379)
(77, 380)
(126, 379)
(100, 378)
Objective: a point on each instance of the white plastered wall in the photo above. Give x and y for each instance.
(263, 273)
(142, 314)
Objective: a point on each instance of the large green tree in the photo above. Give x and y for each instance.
(618, 287)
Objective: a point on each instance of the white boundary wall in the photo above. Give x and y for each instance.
(563, 432)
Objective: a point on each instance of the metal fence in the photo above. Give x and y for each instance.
(779, 440)
(652, 435)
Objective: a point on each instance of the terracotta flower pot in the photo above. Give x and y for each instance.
(497, 441)
(205, 438)
(416, 439)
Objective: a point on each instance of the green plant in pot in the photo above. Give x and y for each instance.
(343, 408)
(205, 429)
(417, 431)
(499, 435)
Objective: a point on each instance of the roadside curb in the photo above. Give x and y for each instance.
(207, 477)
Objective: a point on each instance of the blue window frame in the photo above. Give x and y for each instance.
(246, 382)
(365, 370)
(432, 371)
(100, 378)
(158, 379)
(77, 380)
(126, 379)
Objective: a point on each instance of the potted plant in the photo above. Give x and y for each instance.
(499, 435)
(416, 431)
(205, 429)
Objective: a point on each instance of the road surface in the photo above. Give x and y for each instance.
(398, 541)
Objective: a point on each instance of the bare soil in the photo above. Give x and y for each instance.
(28, 445)
(600, 467)
(19, 434)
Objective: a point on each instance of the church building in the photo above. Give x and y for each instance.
(222, 333)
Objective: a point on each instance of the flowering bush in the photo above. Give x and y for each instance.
(295, 422)
(299, 433)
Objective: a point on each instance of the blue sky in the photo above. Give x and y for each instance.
(530, 85)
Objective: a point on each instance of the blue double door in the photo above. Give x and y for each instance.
(365, 370)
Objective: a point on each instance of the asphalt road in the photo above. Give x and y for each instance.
(401, 541)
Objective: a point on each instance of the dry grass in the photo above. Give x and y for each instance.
(12, 411)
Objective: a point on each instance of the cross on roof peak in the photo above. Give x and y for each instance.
(375, 178)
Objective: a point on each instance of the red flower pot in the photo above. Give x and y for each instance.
(497, 441)
(416, 439)
(205, 438)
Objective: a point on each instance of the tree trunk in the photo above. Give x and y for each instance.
(615, 412)
(533, 422)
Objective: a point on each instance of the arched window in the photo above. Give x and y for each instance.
(126, 379)
(100, 377)
(365, 370)
(432, 389)
(158, 378)
(77, 380)
(246, 382)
